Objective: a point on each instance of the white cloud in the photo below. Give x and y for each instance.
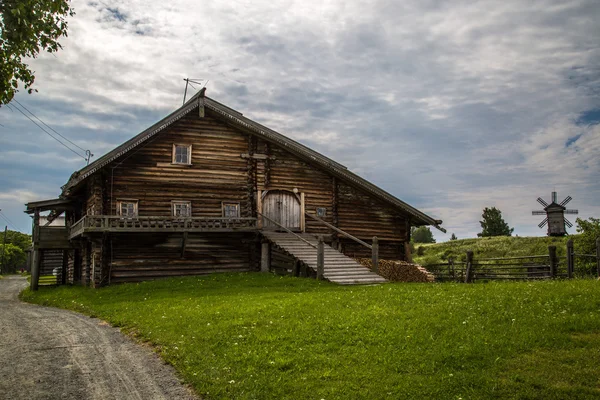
(452, 105)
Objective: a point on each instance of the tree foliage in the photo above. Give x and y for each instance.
(589, 231)
(28, 27)
(453, 237)
(11, 258)
(493, 224)
(21, 240)
(422, 234)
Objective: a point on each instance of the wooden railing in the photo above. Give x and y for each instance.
(286, 229)
(374, 248)
(320, 247)
(111, 223)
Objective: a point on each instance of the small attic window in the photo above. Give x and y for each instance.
(182, 154)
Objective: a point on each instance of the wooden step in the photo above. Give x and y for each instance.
(338, 267)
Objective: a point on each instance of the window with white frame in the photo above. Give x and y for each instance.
(231, 210)
(181, 208)
(182, 154)
(127, 208)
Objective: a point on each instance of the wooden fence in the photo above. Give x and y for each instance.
(544, 266)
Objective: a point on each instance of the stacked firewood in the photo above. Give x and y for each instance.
(399, 271)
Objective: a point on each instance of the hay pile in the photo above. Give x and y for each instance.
(400, 271)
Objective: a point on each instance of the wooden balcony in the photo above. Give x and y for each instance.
(112, 223)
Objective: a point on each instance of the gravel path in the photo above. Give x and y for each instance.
(48, 353)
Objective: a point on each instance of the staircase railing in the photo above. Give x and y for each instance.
(287, 230)
(374, 248)
(319, 247)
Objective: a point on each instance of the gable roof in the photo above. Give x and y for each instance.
(237, 119)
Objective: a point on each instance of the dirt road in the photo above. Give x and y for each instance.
(47, 353)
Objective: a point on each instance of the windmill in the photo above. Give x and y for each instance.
(555, 215)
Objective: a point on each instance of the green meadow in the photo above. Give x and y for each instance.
(260, 336)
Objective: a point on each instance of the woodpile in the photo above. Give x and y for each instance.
(400, 271)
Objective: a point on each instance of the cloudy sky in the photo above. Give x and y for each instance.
(451, 106)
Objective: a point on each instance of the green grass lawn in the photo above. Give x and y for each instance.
(259, 336)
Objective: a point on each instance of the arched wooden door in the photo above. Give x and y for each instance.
(281, 206)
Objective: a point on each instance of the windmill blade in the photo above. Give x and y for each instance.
(544, 222)
(538, 213)
(566, 200)
(554, 197)
(568, 223)
(571, 211)
(542, 202)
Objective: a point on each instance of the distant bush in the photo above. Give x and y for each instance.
(589, 231)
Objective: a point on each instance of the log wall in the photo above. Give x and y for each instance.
(364, 216)
(217, 172)
(227, 165)
(51, 259)
(286, 172)
(137, 257)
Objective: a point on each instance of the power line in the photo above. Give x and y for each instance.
(49, 127)
(8, 220)
(48, 133)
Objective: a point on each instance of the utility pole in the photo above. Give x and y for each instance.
(3, 248)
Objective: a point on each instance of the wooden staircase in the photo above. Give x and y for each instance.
(339, 268)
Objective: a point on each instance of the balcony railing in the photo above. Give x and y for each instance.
(112, 223)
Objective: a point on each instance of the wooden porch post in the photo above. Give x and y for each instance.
(320, 259)
(65, 261)
(407, 252)
(375, 254)
(265, 257)
(259, 221)
(35, 265)
(302, 211)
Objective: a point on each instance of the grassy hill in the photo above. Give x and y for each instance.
(499, 246)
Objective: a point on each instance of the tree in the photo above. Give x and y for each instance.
(589, 231)
(21, 240)
(28, 27)
(13, 258)
(422, 234)
(453, 237)
(493, 224)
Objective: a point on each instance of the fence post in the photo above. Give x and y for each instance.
(469, 272)
(598, 256)
(375, 254)
(570, 258)
(553, 261)
(320, 259)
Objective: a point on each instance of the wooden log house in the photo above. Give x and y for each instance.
(203, 191)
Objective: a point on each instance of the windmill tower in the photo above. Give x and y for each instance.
(555, 215)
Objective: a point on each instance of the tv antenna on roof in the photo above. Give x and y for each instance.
(190, 82)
